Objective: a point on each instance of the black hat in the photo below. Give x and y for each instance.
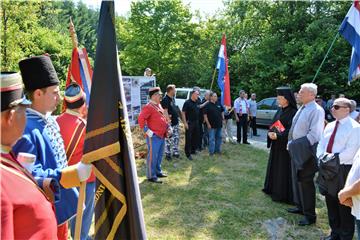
(74, 96)
(11, 91)
(154, 90)
(38, 72)
(288, 94)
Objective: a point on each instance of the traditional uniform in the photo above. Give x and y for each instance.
(73, 129)
(152, 118)
(43, 139)
(28, 213)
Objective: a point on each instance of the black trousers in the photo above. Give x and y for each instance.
(306, 188)
(242, 124)
(253, 125)
(340, 219)
(200, 138)
(191, 138)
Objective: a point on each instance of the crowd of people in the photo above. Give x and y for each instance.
(42, 153)
(302, 143)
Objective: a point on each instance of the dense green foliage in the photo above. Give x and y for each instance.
(269, 43)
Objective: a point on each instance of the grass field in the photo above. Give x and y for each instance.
(218, 198)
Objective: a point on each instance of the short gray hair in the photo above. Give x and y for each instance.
(207, 92)
(312, 87)
(353, 105)
(241, 91)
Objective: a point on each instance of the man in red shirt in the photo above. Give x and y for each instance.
(26, 212)
(73, 128)
(155, 125)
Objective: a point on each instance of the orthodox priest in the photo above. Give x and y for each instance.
(278, 182)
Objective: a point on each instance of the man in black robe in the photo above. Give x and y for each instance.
(278, 182)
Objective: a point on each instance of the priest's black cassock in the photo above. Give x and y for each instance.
(278, 181)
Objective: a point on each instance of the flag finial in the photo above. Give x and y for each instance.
(73, 34)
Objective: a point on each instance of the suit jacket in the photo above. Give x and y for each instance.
(302, 152)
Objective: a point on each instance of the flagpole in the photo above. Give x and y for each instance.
(82, 191)
(326, 55)
(213, 77)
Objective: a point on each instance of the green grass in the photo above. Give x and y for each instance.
(218, 198)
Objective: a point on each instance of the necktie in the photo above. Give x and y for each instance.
(296, 118)
(332, 138)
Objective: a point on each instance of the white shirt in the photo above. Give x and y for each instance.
(346, 142)
(352, 177)
(241, 105)
(252, 107)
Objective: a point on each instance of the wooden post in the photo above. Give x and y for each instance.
(79, 211)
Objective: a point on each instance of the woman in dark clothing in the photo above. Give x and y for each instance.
(278, 175)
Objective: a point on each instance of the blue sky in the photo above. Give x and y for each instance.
(205, 7)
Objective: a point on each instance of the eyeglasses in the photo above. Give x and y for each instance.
(337, 107)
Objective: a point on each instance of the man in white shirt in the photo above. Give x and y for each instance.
(342, 138)
(350, 194)
(241, 107)
(252, 112)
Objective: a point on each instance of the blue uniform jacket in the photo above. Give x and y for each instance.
(42, 138)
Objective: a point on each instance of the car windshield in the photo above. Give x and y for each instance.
(181, 94)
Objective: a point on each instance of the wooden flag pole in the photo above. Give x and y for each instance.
(213, 77)
(82, 191)
(79, 211)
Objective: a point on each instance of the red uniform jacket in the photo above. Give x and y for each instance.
(152, 116)
(26, 213)
(73, 129)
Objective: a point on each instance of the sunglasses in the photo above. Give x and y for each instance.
(337, 107)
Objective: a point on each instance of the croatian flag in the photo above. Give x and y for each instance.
(350, 30)
(80, 71)
(223, 78)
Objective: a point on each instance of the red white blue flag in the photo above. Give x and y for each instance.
(223, 77)
(350, 30)
(80, 71)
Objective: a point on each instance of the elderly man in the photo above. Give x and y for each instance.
(353, 113)
(26, 212)
(252, 113)
(304, 135)
(205, 135)
(42, 137)
(341, 140)
(241, 107)
(154, 123)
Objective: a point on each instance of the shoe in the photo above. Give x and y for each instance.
(246, 143)
(294, 210)
(168, 157)
(155, 180)
(306, 221)
(330, 237)
(161, 175)
(176, 156)
(189, 157)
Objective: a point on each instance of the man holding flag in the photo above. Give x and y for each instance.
(350, 30)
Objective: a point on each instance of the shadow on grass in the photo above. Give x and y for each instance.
(217, 197)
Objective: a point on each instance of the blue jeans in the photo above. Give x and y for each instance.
(358, 228)
(87, 214)
(154, 157)
(215, 139)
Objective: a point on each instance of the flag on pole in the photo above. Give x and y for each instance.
(79, 70)
(108, 143)
(350, 30)
(223, 77)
